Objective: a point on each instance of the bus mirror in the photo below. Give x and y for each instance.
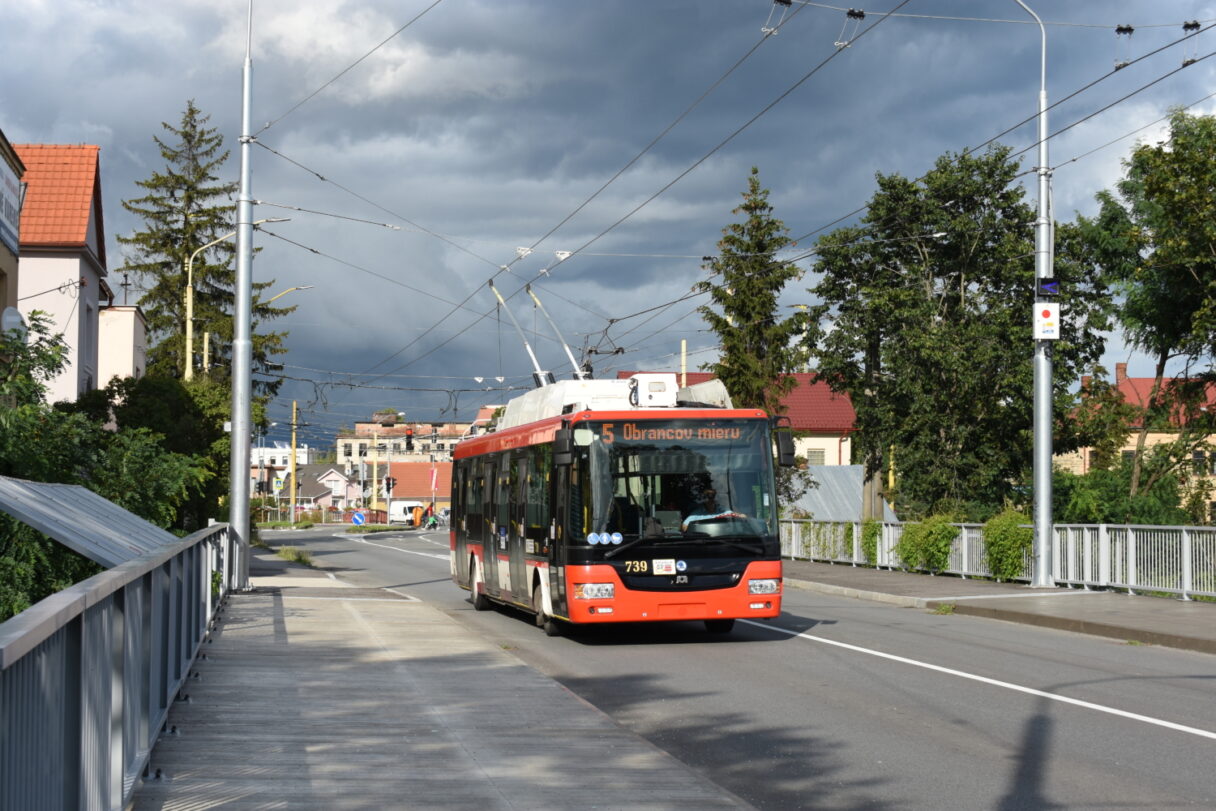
(563, 447)
(785, 448)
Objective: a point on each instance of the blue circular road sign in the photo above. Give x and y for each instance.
(358, 518)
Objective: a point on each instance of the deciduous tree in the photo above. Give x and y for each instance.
(925, 320)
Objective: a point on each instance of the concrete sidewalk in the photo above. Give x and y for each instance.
(313, 695)
(1151, 620)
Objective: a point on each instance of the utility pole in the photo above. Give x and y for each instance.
(242, 345)
(1043, 249)
(294, 483)
(375, 471)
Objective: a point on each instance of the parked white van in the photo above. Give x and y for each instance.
(402, 511)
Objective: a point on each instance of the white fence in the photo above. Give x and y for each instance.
(1174, 560)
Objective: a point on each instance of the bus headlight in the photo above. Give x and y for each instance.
(594, 591)
(767, 586)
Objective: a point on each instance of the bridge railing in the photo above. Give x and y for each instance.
(87, 675)
(1171, 559)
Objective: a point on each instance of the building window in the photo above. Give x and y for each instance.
(1199, 462)
(1128, 456)
(346, 450)
(815, 456)
(363, 449)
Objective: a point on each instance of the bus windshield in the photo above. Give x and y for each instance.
(679, 478)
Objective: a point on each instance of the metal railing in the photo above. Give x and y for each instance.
(87, 675)
(1173, 560)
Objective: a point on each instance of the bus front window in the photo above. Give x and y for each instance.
(681, 478)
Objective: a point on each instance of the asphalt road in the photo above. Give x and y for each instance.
(841, 703)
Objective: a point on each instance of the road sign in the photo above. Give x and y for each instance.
(1049, 288)
(358, 519)
(278, 485)
(1046, 321)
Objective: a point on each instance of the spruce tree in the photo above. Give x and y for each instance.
(186, 207)
(758, 350)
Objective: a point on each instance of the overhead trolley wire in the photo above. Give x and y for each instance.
(346, 70)
(597, 192)
(1024, 121)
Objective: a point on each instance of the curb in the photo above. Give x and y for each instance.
(1080, 626)
(843, 591)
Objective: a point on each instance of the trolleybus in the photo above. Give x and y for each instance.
(602, 501)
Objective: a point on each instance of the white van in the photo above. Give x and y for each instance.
(402, 511)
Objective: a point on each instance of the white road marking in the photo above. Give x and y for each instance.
(1202, 733)
(406, 551)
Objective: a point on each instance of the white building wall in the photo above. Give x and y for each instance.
(121, 344)
(824, 450)
(73, 309)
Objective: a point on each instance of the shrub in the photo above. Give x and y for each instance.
(871, 530)
(1006, 542)
(295, 555)
(927, 545)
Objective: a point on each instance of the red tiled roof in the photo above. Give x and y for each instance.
(414, 479)
(811, 406)
(1136, 390)
(64, 184)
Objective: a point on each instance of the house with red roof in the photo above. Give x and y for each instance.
(1136, 391)
(63, 255)
(428, 482)
(822, 419)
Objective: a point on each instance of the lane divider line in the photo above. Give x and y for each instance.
(1076, 702)
(406, 551)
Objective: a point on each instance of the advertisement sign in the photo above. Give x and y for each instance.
(10, 207)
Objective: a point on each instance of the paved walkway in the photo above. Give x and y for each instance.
(1150, 620)
(317, 696)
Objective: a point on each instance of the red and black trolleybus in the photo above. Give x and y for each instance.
(600, 501)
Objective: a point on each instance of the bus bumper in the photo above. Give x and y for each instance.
(736, 602)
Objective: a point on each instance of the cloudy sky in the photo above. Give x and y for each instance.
(480, 128)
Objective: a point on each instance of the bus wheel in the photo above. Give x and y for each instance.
(719, 626)
(480, 601)
(543, 620)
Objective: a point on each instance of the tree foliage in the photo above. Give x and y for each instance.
(758, 346)
(38, 443)
(925, 321)
(185, 207)
(1155, 238)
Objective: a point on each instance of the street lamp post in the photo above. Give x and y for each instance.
(1041, 575)
(189, 373)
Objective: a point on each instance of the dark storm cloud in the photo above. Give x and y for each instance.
(489, 122)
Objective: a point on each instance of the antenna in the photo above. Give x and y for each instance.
(578, 372)
(541, 378)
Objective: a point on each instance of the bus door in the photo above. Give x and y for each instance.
(460, 502)
(517, 542)
(502, 524)
(488, 534)
(557, 542)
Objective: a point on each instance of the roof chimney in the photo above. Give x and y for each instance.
(1120, 372)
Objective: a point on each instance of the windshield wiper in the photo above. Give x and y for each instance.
(738, 543)
(627, 545)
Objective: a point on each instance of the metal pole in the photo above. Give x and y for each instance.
(578, 371)
(294, 422)
(1042, 576)
(242, 345)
